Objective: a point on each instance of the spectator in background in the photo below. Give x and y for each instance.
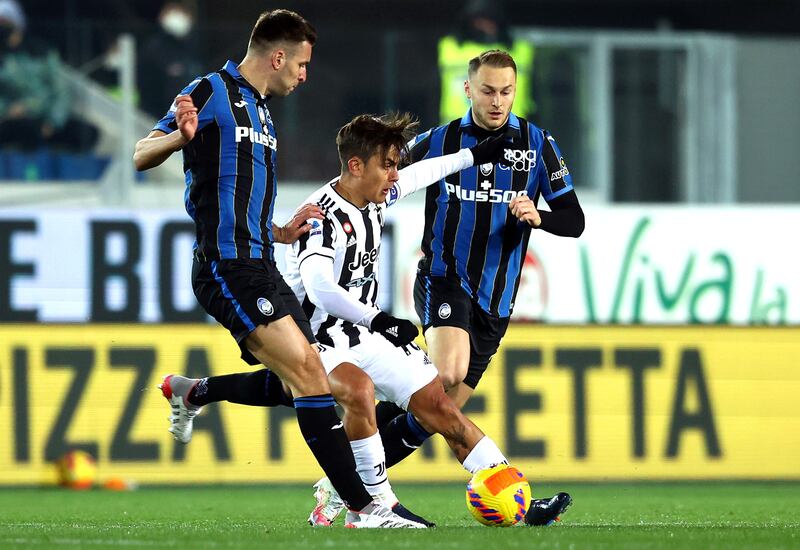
(168, 59)
(482, 26)
(34, 102)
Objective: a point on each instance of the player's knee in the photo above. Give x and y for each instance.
(452, 375)
(434, 409)
(452, 367)
(358, 396)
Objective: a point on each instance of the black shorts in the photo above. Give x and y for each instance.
(242, 294)
(442, 302)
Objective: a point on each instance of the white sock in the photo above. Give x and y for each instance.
(485, 453)
(371, 466)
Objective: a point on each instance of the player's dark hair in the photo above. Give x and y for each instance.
(281, 26)
(492, 58)
(367, 135)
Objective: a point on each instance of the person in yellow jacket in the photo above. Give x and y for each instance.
(482, 28)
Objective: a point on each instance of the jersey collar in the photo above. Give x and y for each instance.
(467, 125)
(231, 68)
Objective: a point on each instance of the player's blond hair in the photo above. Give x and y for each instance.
(491, 58)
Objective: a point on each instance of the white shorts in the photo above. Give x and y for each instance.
(397, 373)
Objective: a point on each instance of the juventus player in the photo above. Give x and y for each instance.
(333, 270)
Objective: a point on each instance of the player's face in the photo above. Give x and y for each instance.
(294, 70)
(380, 175)
(491, 92)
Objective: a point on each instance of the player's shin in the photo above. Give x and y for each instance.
(484, 454)
(371, 467)
(261, 388)
(401, 437)
(385, 412)
(324, 433)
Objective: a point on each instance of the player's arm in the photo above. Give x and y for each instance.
(315, 252)
(316, 272)
(317, 275)
(299, 224)
(430, 170)
(565, 218)
(157, 147)
(189, 113)
(316, 258)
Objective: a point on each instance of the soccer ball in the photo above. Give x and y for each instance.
(498, 496)
(76, 470)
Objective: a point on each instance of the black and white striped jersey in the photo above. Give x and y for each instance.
(333, 269)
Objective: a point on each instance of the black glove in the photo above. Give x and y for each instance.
(399, 332)
(490, 150)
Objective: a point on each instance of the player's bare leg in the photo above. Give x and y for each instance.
(460, 394)
(437, 413)
(354, 391)
(282, 346)
(449, 349)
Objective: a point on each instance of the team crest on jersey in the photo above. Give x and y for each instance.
(265, 306)
(487, 168)
(444, 311)
(263, 116)
(347, 227)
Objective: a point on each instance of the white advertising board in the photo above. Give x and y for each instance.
(659, 265)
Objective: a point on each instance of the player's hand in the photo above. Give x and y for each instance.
(399, 332)
(524, 209)
(298, 225)
(490, 150)
(186, 117)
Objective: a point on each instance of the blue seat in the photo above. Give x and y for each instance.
(80, 166)
(38, 165)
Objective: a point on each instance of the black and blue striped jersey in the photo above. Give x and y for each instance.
(230, 167)
(470, 233)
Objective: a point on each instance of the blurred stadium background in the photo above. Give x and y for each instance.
(663, 344)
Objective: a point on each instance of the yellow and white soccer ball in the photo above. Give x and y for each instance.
(498, 496)
(76, 470)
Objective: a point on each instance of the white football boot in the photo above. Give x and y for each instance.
(329, 504)
(378, 516)
(175, 388)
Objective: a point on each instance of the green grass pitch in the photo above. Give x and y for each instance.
(642, 515)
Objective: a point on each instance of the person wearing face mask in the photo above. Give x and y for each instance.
(34, 102)
(168, 58)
